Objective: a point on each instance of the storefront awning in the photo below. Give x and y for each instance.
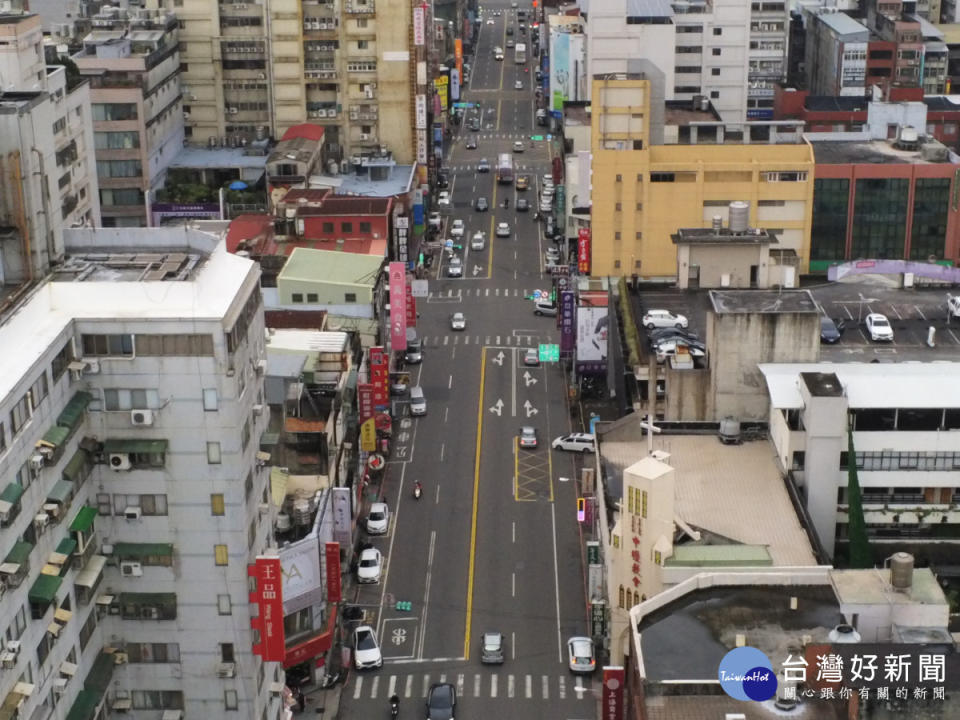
(125, 550)
(72, 414)
(19, 553)
(88, 576)
(85, 706)
(67, 546)
(55, 436)
(11, 703)
(98, 679)
(77, 466)
(44, 589)
(84, 519)
(61, 492)
(133, 445)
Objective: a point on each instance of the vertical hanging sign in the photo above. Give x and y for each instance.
(419, 26)
(380, 377)
(398, 306)
(332, 556)
(268, 597)
(583, 251)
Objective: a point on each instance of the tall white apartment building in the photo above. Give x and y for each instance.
(131, 499)
(731, 52)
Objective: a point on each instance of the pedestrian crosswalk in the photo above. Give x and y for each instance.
(472, 167)
(487, 684)
(511, 340)
(507, 292)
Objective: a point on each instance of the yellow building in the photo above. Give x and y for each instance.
(641, 194)
(257, 68)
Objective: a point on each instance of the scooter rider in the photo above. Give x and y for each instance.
(394, 705)
(417, 489)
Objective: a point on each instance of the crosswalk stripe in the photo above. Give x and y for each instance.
(443, 678)
(509, 686)
(476, 685)
(546, 687)
(528, 687)
(393, 686)
(466, 339)
(498, 339)
(563, 687)
(487, 293)
(358, 688)
(460, 684)
(373, 686)
(493, 686)
(408, 688)
(446, 339)
(456, 339)
(426, 686)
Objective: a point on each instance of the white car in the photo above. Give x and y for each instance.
(663, 318)
(518, 85)
(490, 22)
(458, 321)
(366, 649)
(518, 147)
(436, 220)
(574, 442)
(377, 519)
(503, 230)
(580, 655)
(668, 348)
(443, 200)
(368, 569)
(457, 229)
(478, 241)
(879, 328)
(455, 267)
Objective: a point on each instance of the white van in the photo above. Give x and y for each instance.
(418, 403)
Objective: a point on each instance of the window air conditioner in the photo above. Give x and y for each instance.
(131, 569)
(141, 417)
(53, 511)
(226, 670)
(364, 136)
(36, 462)
(258, 410)
(233, 110)
(8, 659)
(132, 513)
(263, 508)
(14, 647)
(261, 367)
(120, 461)
(40, 522)
(59, 686)
(120, 658)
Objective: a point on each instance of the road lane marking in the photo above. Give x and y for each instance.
(426, 686)
(460, 684)
(358, 688)
(408, 688)
(392, 685)
(556, 576)
(546, 688)
(441, 450)
(373, 686)
(562, 689)
(513, 584)
(473, 515)
(493, 686)
(476, 685)
(510, 686)
(528, 687)
(450, 382)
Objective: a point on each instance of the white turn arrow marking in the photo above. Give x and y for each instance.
(529, 379)
(498, 358)
(477, 269)
(531, 410)
(498, 408)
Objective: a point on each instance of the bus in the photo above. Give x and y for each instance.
(520, 54)
(505, 168)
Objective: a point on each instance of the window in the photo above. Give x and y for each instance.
(662, 177)
(619, 178)
(619, 207)
(174, 345)
(213, 453)
(224, 606)
(126, 140)
(718, 31)
(328, 227)
(157, 700)
(217, 506)
(121, 196)
(616, 235)
(20, 414)
(150, 505)
(346, 227)
(716, 52)
(3, 438)
(245, 434)
(220, 555)
(638, 236)
(880, 217)
(296, 297)
(230, 701)
(831, 202)
(789, 176)
(106, 112)
(107, 345)
(116, 399)
(226, 653)
(210, 399)
(366, 227)
(119, 168)
(714, 71)
(103, 504)
(61, 360)
(152, 652)
(350, 297)
(714, 94)
(312, 298)
(616, 263)
(643, 510)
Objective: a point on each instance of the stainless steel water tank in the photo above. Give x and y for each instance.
(739, 216)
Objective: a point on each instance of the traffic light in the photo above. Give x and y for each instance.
(405, 605)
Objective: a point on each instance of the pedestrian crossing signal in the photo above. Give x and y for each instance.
(404, 605)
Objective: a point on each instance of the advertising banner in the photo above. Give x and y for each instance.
(592, 335)
(422, 147)
(332, 556)
(411, 308)
(380, 377)
(419, 26)
(442, 86)
(341, 514)
(568, 328)
(365, 402)
(614, 679)
(559, 70)
(458, 54)
(583, 251)
(454, 85)
(268, 597)
(398, 306)
(421, 112)
(368, 435)
(300, 563)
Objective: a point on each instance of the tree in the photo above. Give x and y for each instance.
(859, 544)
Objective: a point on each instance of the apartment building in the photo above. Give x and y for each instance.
(256, 69)
(836, 55)
(132, 498)
(132, 62)
(905, 456)
(642, 192)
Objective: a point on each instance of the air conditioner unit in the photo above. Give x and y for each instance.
(368, 93)
(141, 417)
(8, 659)
(186, 116)
(14, 647)
(258, 410)
(53, 511)
(120, 461)
(233, 110)
(36, 462)
(59, 686)
(276, 689)
(133, 512)
(364, 136)
(40, 522)
(263, 508)
(92, 366)
(131, 569)
(226, 670)
(261, 367)
(262, 76)
(120, 658)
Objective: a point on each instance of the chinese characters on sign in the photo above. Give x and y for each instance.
(583, 251)
(268, 597)
(567, 321)
(421, 112)
(365, 393)
(411, 307)
(398, 307)
(419, 33)
(332, 556)
(380, 377)
(614, 679)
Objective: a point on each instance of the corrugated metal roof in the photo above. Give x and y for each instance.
(330, 266)
(842, 24)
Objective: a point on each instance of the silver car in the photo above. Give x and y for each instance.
(491, 650)
(581, 657)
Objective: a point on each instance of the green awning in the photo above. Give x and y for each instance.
(73, 412)
(67, 546)
(142, 550)
(12, 493)
(78, 465)
(157, 599)
(20, 552)
(131, 445)
(84, 519)
(61, 492)
(56, 436)
(85, 706)
(98, 679)
(44, 589)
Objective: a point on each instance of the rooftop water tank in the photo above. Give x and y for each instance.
(739, 216)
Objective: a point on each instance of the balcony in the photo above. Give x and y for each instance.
(364, 112)
(321, 26)
(360, 7)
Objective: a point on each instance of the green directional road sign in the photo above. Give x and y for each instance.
(549, 353)
(536, 137)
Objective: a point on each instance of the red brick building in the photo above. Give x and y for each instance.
(822, 113)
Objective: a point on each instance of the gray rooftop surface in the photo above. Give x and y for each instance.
(399, 182)
(869, 152)
(196, 157)
(763, 301)
(842, 24)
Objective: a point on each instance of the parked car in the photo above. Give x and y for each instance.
(458, 321)
(483, 166)
(528, 437)
(879, 328)
(663, 318)
(552, 254)
(441, 701)
(659, 334)
(491, 648)
(531, 357)
(457, 229)
(366, 649)
(435, 220)
(368, 569)
(830, 330)
(378, 519)
(443, 180)
(509, 44)
(518, 146)
(518, 84)
(574, 442)
(455, 267)
(413, 355)
(475, 124)
(545, 308)
(503, 229)
(546, 205)
(581, 655)
(522, 205)
(481, 204)
(669, 348)
(953, 305)
(443, 199)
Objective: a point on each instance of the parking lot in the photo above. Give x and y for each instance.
(911, 313)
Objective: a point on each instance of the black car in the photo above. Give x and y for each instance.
(830, 330)
(443, 180)
(471, 143)
(669, 333)
(481, 204)
(475, 124)
(523, 204)
(441, 701)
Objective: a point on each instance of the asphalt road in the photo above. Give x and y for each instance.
(493, 544)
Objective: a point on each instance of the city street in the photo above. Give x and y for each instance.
(493, 543)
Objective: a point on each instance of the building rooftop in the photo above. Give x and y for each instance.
(128, 265)
(942, 103)
(251, 233)
(905, 384)
(734, 491)
(709, 235)
(763, 301)
(635, 8)
(400, 180)
(683, 112)
(308, 341)
(714, 556)
(308, 131)
(872, 587)
(822, 384)
(296, 149)
(842, 24)
(576, 113)
(331, 267)
(868, 152)
(353, 205)
(203, 157)
(836, 103)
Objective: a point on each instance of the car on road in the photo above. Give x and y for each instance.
(552, 254)
(518, 147)
(441, 701)
(498, 56)
(443, 180)
(399, 384)
(545, 308)
(458, 321)
(368, 569)
(669, 348)
(483, 166)
(475, 124)
(509, 30)
(531, 357)
(545, 207)
(491, 648)
(478, 241)
(443, 199)
(436, 220)
(574, 442)
(528, 436)
(457, 229)
(580, 654)
(523, 205)
(503, 229)
(953, 305)
(879, 328)
(830, 330)
(366, 649)
(481, 204)
(523, 182)
(518, 84)
(413, 355)
(490, 22)
(509, 44)
(455, 267)
(471, 143)
(378, 519)
(663, 318)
